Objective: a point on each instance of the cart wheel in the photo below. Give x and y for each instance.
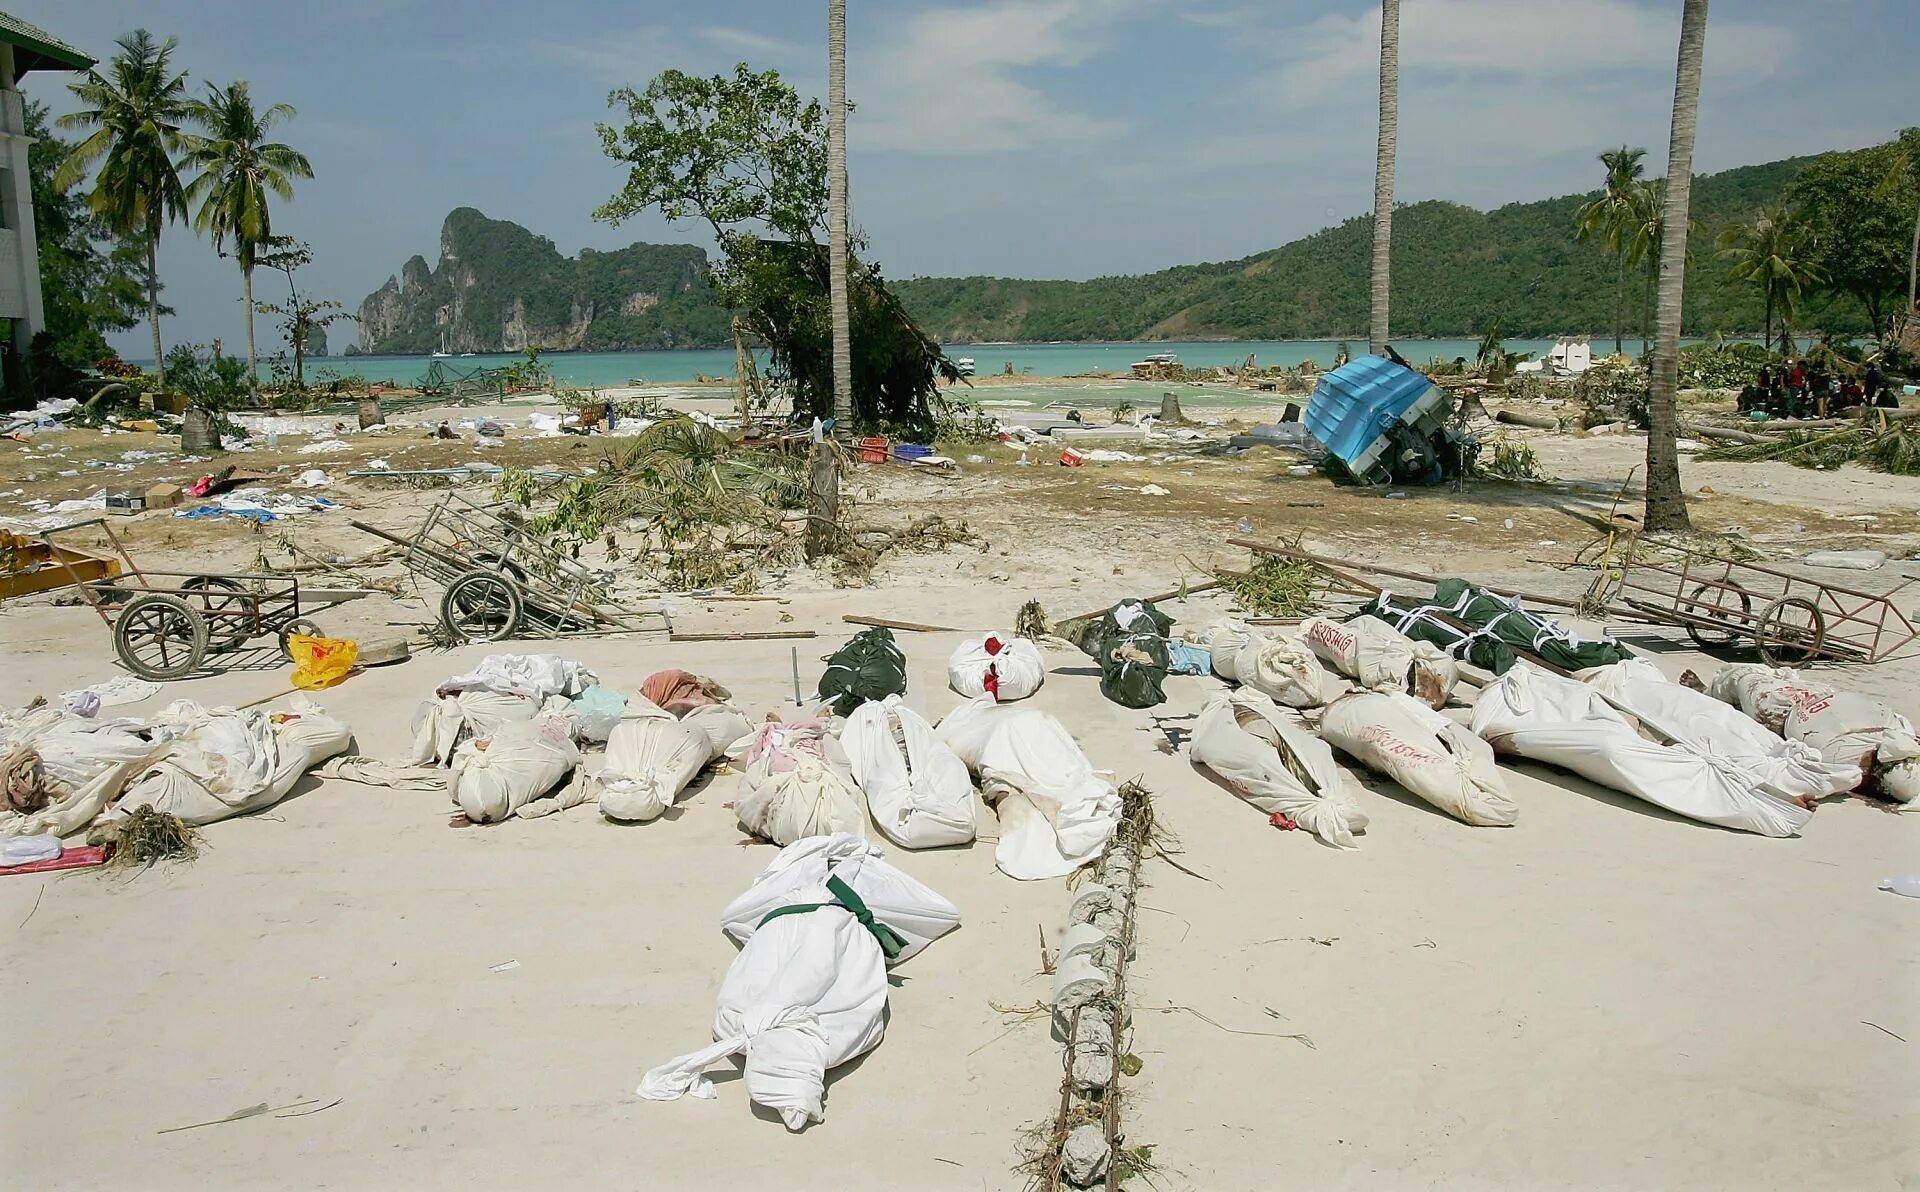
(1712, 603)
(481, 606)
(223, 632)
(1792, 631)
(160, 638)
(301, 626)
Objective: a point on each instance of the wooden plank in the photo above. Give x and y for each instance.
(884, 623)
(1160, 598)
(769, 635)
(1267, 548)
(80, 567)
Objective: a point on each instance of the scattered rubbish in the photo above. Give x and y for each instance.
(1507, 524)
(1396, 496)
(326, 447)
(1152, 490)
(1907, 886)
(320, 662)
(29, 850)
(147, 836)
(312, 478)
(1069, 458)
(504, 966)
(81, 857)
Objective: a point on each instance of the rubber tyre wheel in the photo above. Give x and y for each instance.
(299, 625)
(223, 633)
(160, 637)
(1710, 639)
(1791, 643)
(482, 606)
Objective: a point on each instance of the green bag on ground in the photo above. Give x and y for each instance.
(868, 667)
(1130, 644)
(1524, 630)
(1480, 648)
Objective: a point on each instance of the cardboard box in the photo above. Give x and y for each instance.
(163, 496)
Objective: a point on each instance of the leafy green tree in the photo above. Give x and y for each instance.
(1772, 253)
(238, 166)
(747, 156)
(300, 316)
(134, 111)
(1609, 218)
(1858, 210)
(1666, 506)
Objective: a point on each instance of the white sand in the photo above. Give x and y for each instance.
(1611, 997)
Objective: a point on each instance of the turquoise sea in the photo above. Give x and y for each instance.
(590, 369)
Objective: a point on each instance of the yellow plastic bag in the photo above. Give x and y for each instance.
(320, 661)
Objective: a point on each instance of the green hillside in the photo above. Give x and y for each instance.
(1455, 270)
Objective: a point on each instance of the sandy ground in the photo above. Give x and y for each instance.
(1602, 996)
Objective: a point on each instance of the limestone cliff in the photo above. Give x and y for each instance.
(500, 288)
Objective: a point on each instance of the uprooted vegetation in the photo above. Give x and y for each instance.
(687, 508)
(1894, 450)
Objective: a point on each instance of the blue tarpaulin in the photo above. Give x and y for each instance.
(1357, 404)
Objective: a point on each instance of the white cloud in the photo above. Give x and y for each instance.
(950, 80)
(758, 47)
(1573, 43)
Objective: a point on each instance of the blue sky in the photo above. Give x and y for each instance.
(1033, 138)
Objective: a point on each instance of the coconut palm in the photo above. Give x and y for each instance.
(1666, 508)
(837, 209)
(238, 165)
(1609, 218)
(1383, 174)
(134, 111)
(823, 502)
(1769, 252)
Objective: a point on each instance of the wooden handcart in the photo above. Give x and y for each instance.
(503, 580)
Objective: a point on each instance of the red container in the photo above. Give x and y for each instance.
(1069, 458)
(873, 450)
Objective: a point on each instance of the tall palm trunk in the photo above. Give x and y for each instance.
(823, 487)
(153, 297)
(837, 210)
(253, 363)
(1619, 305)
(1767, 331)
(1383, 174)
(1666, 503)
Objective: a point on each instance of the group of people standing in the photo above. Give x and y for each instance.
(1797, 389)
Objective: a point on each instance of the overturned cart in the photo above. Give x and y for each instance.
(1790, 619)
(504, 580)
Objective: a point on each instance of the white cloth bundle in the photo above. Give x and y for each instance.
(1423, 751)
(808, 991)
(494, 776)
(219, 763)
(650, 759)
(798, 784)
(82, 763)
(1380, 658)
(1787, 768)
(1566, 723)
(1056, 812)
(1275, 762)
(1283, 667)
(1223, 640)
(535, 676)
(1000, 665)
(444, 723)
(918, 791)
(722, 725)
(1842, 726)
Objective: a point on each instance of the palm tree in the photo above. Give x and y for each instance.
(1767, 252)
(837, 210)
(1383, 174)
(238, 166)
(824, 473)
(134, 110)
(1666, 508)
(1645, 231)
(1610, 217)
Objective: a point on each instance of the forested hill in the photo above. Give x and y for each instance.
(1455, 270)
